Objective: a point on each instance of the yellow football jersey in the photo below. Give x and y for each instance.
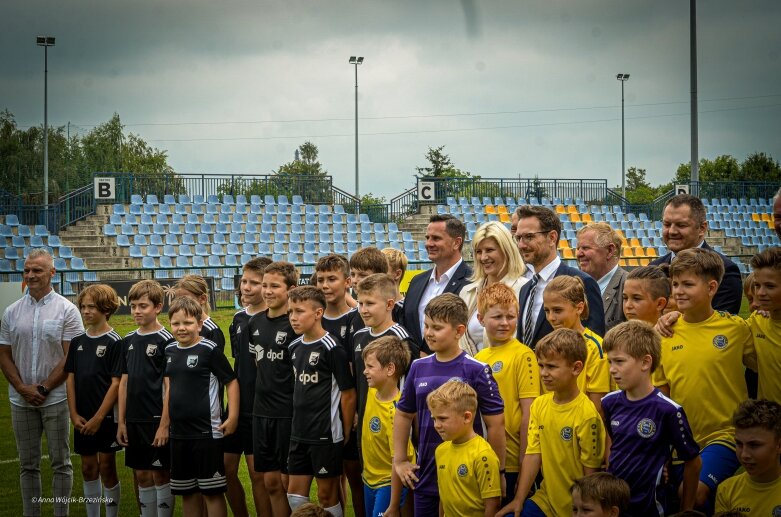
(703, 364)
(750, 498)
(467, 473)
(568, 437)
(377, 440)
(595, 377)
(518, 377)
(767, 344)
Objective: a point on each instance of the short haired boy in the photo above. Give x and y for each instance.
(397, 266)
(194, 366)
(143, 418)
(703, 365)
(324, 390)
(757, 491)
(92, 395)
(444, 324)
(385, 360)
(270, 335)
(644, 425)
(241, 441)
(645, 294)
(367, 261)
(467, 468)
(600, 495)
(566, 433)
(767, 330)
(514, 367)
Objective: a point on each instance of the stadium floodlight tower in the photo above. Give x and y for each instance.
(356, 61)
(623, 78)
(45, 42)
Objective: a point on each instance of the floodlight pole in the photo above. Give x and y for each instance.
(45, 42)
(695, 160)
(623, 78)
(356, 61)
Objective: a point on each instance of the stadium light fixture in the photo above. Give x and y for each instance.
(45, 42)
(623, 78)
(356, 60)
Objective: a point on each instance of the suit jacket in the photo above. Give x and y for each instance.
(613, 299)
(596, 312)
(730, 293)
(415, 292)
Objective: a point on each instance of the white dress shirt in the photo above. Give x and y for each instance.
(434, 288)
(546, 274)
(605, 280)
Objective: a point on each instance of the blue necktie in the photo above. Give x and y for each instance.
(528, 328)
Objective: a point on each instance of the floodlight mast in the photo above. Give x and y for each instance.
(623, 78)
(356, 60)
(45, 42)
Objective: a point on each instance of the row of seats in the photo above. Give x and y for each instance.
(742, 202)
(16, 252)
(216, 209)
(238, 218)
(12, 228)
(33, 241)
(228, 199)
(9, 265)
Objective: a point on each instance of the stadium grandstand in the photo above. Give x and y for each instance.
(203, 225)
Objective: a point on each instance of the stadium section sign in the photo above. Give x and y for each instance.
(105, 189)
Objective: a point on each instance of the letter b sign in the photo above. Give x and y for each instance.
(104, 188)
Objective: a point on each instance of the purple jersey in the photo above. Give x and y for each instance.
(644, 433)
(426, 375)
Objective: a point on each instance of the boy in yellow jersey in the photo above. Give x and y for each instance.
(467, 467)
(566, 433)
(385, 360)
(767, 331)
(757, 491)
(645, 295)
(702, 363)
(515, 370)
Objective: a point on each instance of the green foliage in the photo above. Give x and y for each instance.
(638, 190)
(440, 166)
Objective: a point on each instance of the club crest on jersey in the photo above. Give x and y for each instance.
(343, 331)
(462, 470)
(258, 353)
(646, 428)
(192, 360)
(281, 337)
(497, 367)
(313, 358)
(374, 424)
(455, 379)
(100, 351)
(151, 350)
(566, 433)
(720, 341)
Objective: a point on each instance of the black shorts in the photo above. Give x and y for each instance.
(197, 466)
(240, 442)
(315, 459)
(350, 449)
(271, 442)
(139, 453)
(105, 440)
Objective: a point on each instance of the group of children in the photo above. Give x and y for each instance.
(327, 388)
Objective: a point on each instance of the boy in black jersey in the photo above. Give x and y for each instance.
(195, 287)
(323, 391)
(92, 394)
(195, 367)
(270, 335)
(397, 267)
(240, 442)
(342, 321)
(143, 420)
(366, 261)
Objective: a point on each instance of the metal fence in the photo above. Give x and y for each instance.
(589, 190)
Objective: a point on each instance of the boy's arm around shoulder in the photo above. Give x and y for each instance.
(749, 351)
(224, 373)
(161, 436)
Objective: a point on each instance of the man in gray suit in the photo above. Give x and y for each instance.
(598, 252)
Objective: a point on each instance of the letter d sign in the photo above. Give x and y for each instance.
(104, 188)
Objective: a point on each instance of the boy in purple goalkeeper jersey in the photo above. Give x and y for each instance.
(446, 317)
(643, 424)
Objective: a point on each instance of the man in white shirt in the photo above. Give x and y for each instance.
(598, 253)
(34, 337)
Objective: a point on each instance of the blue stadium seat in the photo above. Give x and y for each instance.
(202, 250)
(150, 210)
(188, 239)
(109, 230)
(171, 239)
(11, 253)
(297, 200)
(225, 218)
(140, 240)
(144, 229)
(198, 208)
(78, 263)
(295, 248)
(59, 263)
(236, 238)
(185, 250)
(123, 241)
(217, 250)
(41, 231)
(65, 252)
(279, 248)
(54, 240)
(135, 199)
(268, 199)
(23, 231)
(118, 209)
(309, 247)
(169, 251)
(247, 249)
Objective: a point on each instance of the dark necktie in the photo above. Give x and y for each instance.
(528, 328)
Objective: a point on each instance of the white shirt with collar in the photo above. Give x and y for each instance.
(434, 288)
(605, 280)
(672, 253)
(546, 274)
(35, 331)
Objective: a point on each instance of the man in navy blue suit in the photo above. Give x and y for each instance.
(537, 236)
(444, 239)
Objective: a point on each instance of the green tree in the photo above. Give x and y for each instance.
(722, 168)
(760, 167)
(440, 165)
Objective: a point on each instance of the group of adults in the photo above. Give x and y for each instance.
(36, 330)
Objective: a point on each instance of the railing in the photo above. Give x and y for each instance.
(715, 189)
(68, 209)
(590, 190)
(404, 204)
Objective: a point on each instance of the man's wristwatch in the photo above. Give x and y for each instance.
(43, 390)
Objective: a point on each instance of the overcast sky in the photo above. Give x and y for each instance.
(510, 87)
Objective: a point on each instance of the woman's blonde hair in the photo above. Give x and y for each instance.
(513, 263)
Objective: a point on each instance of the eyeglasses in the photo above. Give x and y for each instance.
(528, 237)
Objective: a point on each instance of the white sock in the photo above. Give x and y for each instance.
(148, 499)
(112, 500)
(92, 496)
(335, 510)
(165, 501)
(295, 500)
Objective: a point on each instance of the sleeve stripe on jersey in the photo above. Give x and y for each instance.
(208, 342)
(114, 336)
(209, 324)
(400, 331)
(164, 332)
(131, 333)
(470, 358)
(175, 344)
(299, 338)
(364, 330)
(240, 312)
(329, 342)
(668, 399)
(611, 394)
(596, 343)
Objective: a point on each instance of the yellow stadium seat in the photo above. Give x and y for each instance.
(634, 242)
(560, 209)
(568, 254)
(770, 224)
(766, 217)
(501, 209)
(489, 209)
(755, 218)
(563, 244)
(504, 217)
(639, 251)
(586, 218)
(632, 263)
(574, 218)
(628, 252)
(622, 262)
(644, 261)
(651, 252)
(572, 209)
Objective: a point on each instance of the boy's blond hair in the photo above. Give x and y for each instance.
(457, 396)
(448, 308)
(197, 286)
(149, 288)
(700, 262)
(566, 343)
(333, 262)
(387, 350)
(379, 284)
(637, 339)
(604, 489)
(572, 289)
(103, 296)
(186, 305)
(284, 269)
(396, 260)
(496, 294)
(369, 259)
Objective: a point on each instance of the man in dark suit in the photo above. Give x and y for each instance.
(598, 252)
(777, 213)
(444, 240)
(684, 225)
(537, 236)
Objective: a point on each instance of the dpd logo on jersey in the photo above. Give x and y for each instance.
(192, 360)
(151, 350)
(281, 337)
(374, 424)
(646, 428)
(258, 353)
(313, 358)
(566, 433)
(720, 341)
(100, 351)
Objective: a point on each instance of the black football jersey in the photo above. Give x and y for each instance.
(143, 360)
(270, 339)
(344, 327)
(213, 333)
(93, 360)
(244, 360)
(398, 312)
